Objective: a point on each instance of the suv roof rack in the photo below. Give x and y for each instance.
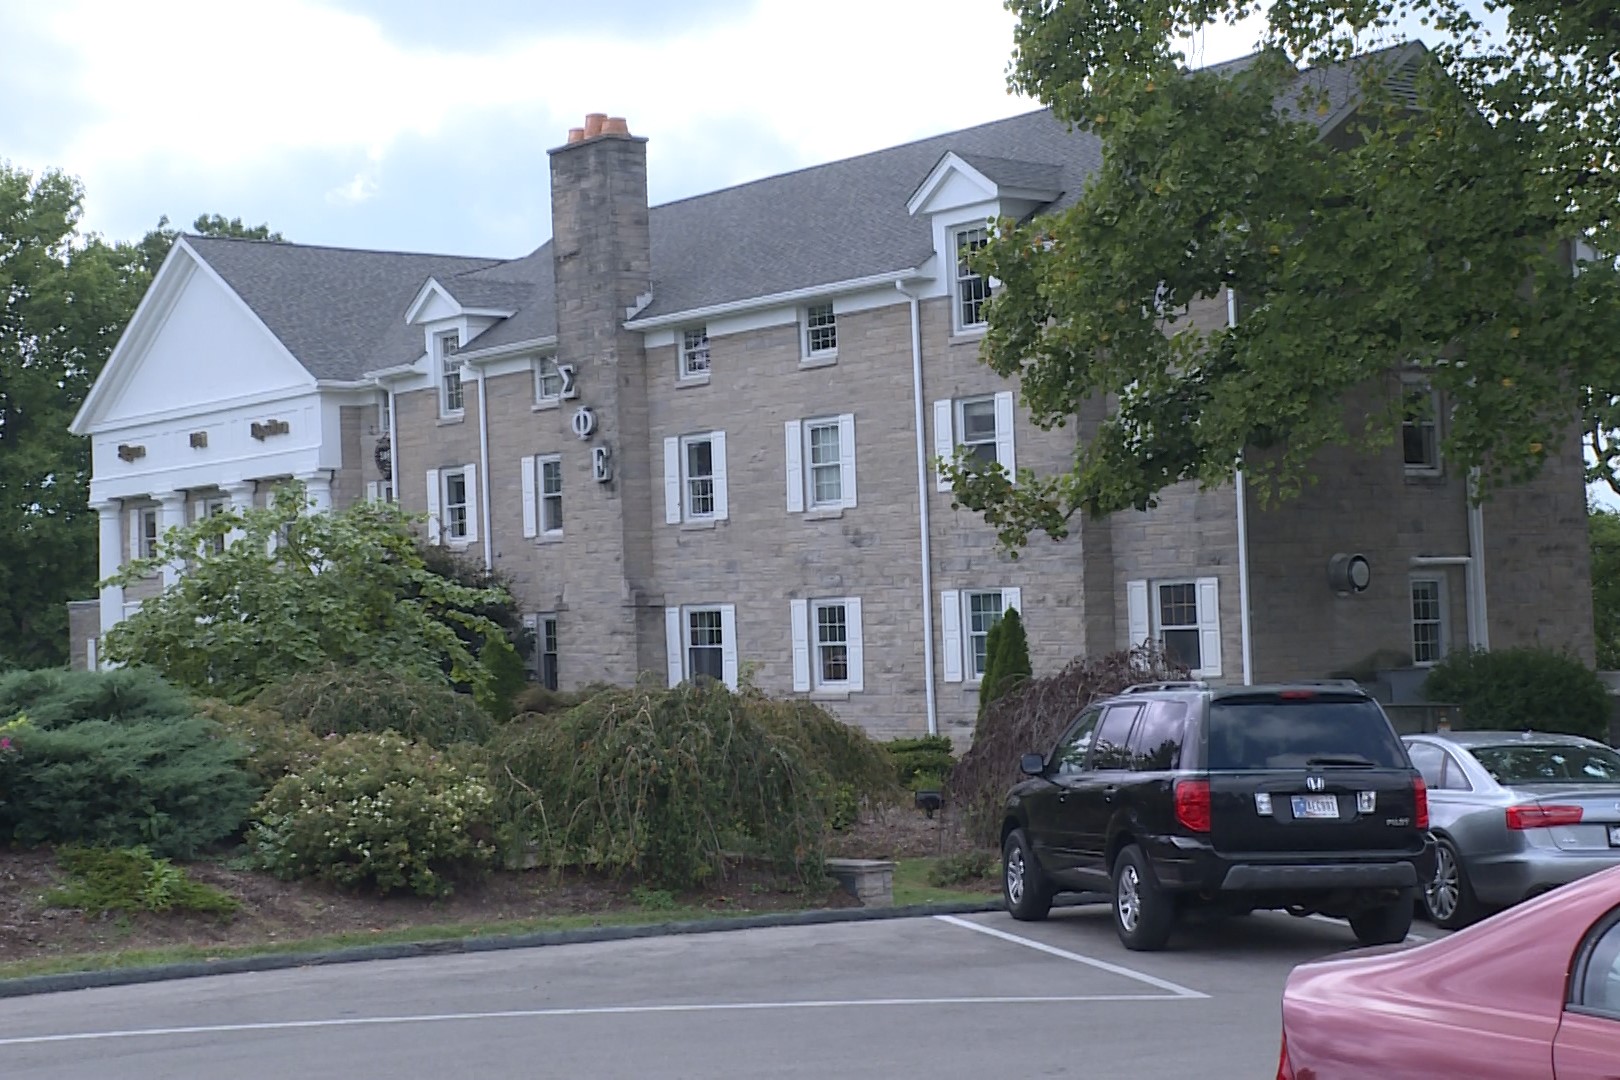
(1183, 684)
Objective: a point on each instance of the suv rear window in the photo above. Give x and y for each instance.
(1286, 733)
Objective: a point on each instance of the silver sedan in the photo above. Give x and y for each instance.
(1514, 814)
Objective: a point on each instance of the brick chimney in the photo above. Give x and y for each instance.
(603, 263)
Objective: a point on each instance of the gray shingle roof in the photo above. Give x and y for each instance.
(336, 309)
(341, 311)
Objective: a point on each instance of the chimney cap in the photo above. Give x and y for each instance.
(615, 125)
(576, 134)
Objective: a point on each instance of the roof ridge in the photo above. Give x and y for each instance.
(490, 260)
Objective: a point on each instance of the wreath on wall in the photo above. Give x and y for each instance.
(384, 458)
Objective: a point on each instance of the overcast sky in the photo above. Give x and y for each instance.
(423, 124)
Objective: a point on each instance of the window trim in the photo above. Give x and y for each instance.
(147, 537)
(1196, 626)
(1416, 384)
(1443, 601)
(440, 357)
(969, 675)
(808, 354)
(539, 369)
(686, 350)
(446, 528)
(956, 233)
(807, 645)
(679, 619)
(1574, 997)
(541, 496)
(960, 406)
(542, 637)
(687, 512)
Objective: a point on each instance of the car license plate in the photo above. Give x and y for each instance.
(1316, 806)
(1614, 835)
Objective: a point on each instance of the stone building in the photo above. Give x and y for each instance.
(699, 438)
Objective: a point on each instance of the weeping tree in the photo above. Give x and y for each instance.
(1446, 208)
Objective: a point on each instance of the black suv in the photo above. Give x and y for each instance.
(1179, 796)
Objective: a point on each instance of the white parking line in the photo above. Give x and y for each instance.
(1175, 989)
(604, 1010)
(1341, 922)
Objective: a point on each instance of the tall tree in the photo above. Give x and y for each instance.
(1605, 526)
(64, 300)
(1433, 229)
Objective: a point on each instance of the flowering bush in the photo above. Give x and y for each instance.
(377, 811)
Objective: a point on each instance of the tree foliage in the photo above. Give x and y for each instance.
(1522, 689)
(1605, 536)
(1435, 238)
(297, 590)
(1006, 660)
(64, 300)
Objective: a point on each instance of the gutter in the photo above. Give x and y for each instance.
(733, 307)
(483, 473)
(1242, 535)
(922, 511)
(478, 357)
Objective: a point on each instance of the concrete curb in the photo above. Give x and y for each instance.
(85, 980)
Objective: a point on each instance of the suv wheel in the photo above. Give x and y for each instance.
(1144, 914)
(1024, 884)
(1387, 924)
(1449, 899)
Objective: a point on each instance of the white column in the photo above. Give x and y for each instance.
(318, 485)
(110, 514)
(241, 495)
(171, 516)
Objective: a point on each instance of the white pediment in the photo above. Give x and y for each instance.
(950, 184)
(432, 304)
(192, 344)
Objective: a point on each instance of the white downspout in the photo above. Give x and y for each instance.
(1479, 631)
(1242, 533)
(483, 472)
(922, 510)
(393, 442)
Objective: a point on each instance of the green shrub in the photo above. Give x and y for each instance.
(961, 869)
(857, 768)
(1006, 659)
(1515, 689)
(661, 784)
(507, 677)
(116, 759)
(543, 701)
(274, 747)
(922, 763)
(347, 701)
(378, 812)
(130, 879)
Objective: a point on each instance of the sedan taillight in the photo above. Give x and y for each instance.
(1536, 816)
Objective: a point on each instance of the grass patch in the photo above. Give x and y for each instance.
(913, 883)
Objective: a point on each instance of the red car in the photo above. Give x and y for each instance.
(1530, 994)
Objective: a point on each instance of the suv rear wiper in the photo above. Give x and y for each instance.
(1348, 761)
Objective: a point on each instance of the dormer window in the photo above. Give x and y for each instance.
(695, 352)
(446, 347)
(972, 289)
(820, 332)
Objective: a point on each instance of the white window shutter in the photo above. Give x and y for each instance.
(531, 525)
(1004, 431)
(950, 629)
(134, 533)
(728, 644)
(793, 435)
(1209, 626)
(857, 648)
(672, 645)
(846, 456)
(90, 654)
(944, 439)
(1136, 610)
(433, 505)
(722, 505)
(474, 504)
(672, 481)
(1012, 600)
(199, 510)
(799, 611)
(372, 491)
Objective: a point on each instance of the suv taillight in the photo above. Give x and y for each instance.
(1285, 1068)
(1192, 805)
(1420, 802)
(1541, 817)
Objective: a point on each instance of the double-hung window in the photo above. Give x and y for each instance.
(966, 619)
(1182, 617)
(1420, 428)
(820, 332)
(456, 503)
(453, 505)
(972, 289)
(548, 381)
(213, 507)
(545, 651)
(1428, 620)
(542, 496)
(695, 478)
(695, 352)
(451, 398)
(828, 649)
(821, 463)
(983, 425)
(146, 534)
(701, 641)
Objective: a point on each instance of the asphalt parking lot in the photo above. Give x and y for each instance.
(939, 997)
